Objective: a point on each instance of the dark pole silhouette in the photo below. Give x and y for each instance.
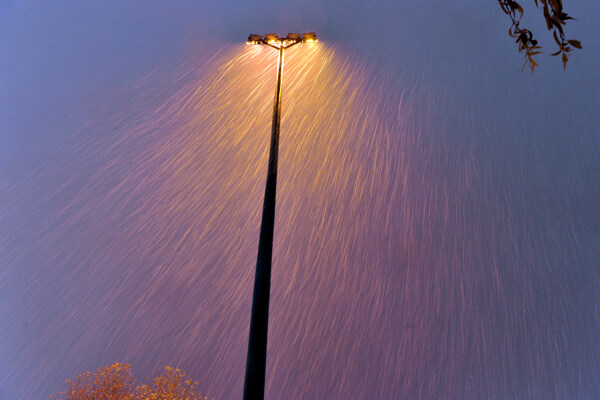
(256, 362)
(254, 384)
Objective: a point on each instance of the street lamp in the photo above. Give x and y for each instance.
(254, 383)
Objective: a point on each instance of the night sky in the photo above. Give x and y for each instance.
(437, 233)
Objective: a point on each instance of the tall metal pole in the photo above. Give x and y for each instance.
(256, 363)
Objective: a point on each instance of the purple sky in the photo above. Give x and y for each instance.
(437, 224)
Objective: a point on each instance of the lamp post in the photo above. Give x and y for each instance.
(256, 362)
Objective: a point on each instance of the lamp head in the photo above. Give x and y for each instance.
(255, 39)
(271, 38)
(309, 37)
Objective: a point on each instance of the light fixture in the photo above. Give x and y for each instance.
(273, 40)
(255, 39)
(309, 37)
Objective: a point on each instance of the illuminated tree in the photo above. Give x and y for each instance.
(555, 18)
(115, 382)
(172, 385)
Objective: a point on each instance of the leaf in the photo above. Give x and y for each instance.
(524, 65)
(547, 16)
(564, 60)
(575, 43)
(556, 39)
(519, 8)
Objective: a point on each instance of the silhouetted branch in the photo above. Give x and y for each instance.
(555, 17)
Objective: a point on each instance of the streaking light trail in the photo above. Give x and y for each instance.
(416, 256)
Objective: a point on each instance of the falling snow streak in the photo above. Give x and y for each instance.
(416, 253)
